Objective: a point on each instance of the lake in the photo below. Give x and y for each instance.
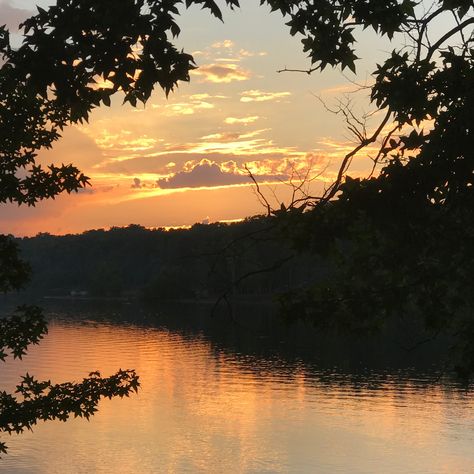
(253, 396)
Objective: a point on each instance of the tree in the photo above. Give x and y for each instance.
(76, 54)
(401, 238)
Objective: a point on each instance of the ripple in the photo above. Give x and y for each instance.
(205, 408)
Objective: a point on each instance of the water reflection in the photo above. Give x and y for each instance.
(217, 405)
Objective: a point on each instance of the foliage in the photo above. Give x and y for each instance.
(13, 271)
(201, 262)
(26, 326)
(402, 238)
(42, 400)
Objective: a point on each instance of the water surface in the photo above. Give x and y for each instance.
(235, 401)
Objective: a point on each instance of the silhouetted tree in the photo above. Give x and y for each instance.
(404, 238)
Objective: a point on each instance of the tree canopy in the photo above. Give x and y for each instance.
(403, 237)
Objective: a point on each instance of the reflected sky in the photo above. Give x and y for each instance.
(202, 408)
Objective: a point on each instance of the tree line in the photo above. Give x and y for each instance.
(246, 259)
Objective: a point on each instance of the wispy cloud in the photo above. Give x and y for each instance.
(340, 89)
(125, 141)
(222, 73)
(241, 120)
(249, 54)
(232, 136)
(256, 95)
(223, 44)
(185, 108)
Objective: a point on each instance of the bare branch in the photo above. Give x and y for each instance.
(457, 29)
(263, 200)
(334, 188)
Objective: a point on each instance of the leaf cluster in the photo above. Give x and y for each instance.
(327, 26)
(401, 241)
(26, 326)
(42, 400)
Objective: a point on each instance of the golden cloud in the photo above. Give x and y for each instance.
(226, 51)
(241, 120)
(249, 54)
(220, 73)
(223, 44)
(186, 108)
(232, 136)
(124, 141)
(203, 96)
(305, 166)
(256, 95)
(339, 89)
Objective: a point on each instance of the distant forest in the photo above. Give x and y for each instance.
(247, 259)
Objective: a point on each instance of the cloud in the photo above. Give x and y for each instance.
(210, 174)
(125, 141)
(185, 108)
(241, 120)
(203, 96)
(223, 44)
(340, 89)
(137, 183)
(227, 51)
(249, 54)
(222, 73)
(12, 16)
(255, 95)
(227, 137)
(95, 189)
(191, 105)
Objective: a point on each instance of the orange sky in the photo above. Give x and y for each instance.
(181, 160)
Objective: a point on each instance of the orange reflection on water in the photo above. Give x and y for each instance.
(202, 408)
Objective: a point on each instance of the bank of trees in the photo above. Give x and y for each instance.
(203, 262)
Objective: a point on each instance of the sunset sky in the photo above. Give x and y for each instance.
(181, 160)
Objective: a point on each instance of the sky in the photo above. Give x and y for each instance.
(182, 160)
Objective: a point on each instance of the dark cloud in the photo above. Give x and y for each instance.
(157, 164)
(137, 183)
(210, 175)
(96, 189)
(222, 73)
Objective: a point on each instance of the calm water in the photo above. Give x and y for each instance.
(228, 401)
